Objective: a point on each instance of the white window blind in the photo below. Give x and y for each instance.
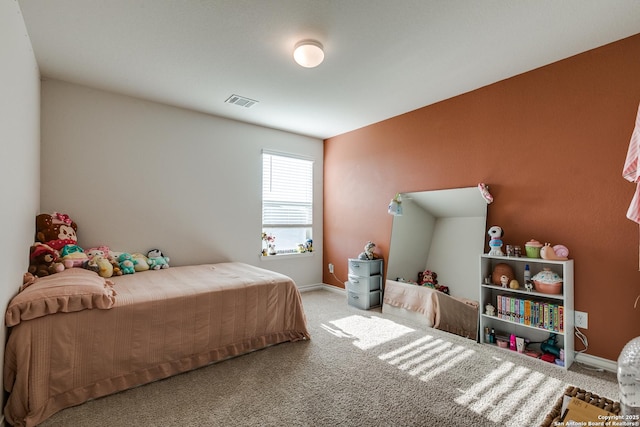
(287, 191)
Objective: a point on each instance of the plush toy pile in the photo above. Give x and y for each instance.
(56, 249)
(429, 279)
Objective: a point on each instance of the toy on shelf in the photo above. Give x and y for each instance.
(557, 252)
(502, 274)
(550, 346)
(368, 253)
(490, 310)
(532, 248)
(495, 233)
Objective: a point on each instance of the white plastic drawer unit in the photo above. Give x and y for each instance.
(364, 284)
(365, 300)
(358, 267)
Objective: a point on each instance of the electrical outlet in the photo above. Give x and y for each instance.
(581, 319)
(330, 268)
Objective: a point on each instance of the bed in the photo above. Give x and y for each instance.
(75, 336)
(431, 308)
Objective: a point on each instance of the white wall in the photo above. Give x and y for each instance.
(411, 237)
(136, 175)
(455, 254)
(19, 150)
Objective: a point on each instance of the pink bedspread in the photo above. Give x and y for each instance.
(162, 323)
(456, 315)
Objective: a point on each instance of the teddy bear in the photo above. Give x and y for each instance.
(44, 260)
(56, 230)
(368, 251)
(157, 260)
(126, 263)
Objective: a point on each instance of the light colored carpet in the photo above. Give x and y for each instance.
(360, 368)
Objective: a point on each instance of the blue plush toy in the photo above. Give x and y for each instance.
(157, 260)
(127, 263)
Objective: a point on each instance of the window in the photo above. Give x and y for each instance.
(287, 203)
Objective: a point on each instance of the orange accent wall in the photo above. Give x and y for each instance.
(551, 144)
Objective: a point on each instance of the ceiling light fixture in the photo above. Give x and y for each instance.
(308, 53)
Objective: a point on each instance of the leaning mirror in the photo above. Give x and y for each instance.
(442, 231)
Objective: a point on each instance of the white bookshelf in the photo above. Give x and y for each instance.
(489, 293)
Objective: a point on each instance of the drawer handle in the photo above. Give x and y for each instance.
(355, 265)
(355, 281)
(355, 297)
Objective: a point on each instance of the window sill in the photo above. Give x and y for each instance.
(285, 256)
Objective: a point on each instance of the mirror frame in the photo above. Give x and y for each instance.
(443, 231)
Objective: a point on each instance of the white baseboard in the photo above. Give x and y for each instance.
(314, 287)
(597, 362)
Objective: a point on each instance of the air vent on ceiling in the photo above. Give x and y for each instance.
(241, 101)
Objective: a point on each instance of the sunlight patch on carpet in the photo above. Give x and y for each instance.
(511, 395)
(367, 332)
(427, 357)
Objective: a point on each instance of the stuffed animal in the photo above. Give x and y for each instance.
(44, 260)
(429, 279)
(109, 256)
(102, 251)
(368, 251)
(56, 230)
(92, 265)
(113, 259)
(443, 289)
(73, 256)
(141, 264)
(105, 268)
(157, 260)
(126, 263)
(99, 263)
(495, 233)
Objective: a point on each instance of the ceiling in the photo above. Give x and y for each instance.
(382, 57)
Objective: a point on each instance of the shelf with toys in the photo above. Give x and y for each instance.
(527, 305)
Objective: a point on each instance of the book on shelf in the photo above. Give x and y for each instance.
(540, 314)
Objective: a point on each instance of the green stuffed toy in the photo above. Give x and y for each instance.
(157, 260)
(126, 263)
